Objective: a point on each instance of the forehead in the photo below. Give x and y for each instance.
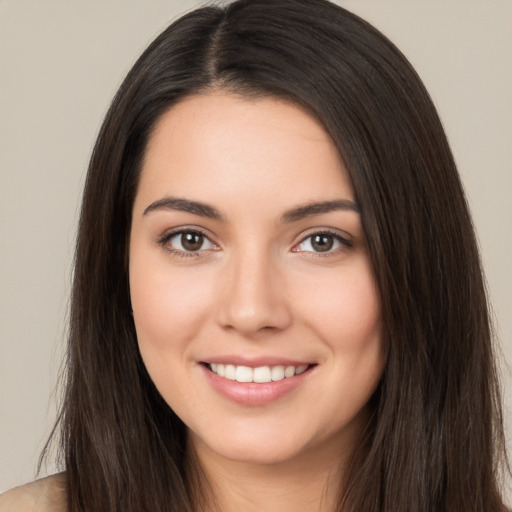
(219, 147)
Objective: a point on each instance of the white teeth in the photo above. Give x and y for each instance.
(289, 371)
(260, 374)
(229, 370)
(244, 374)
(301, 369)
(277, 373)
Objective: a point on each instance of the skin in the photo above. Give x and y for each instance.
(256, 288)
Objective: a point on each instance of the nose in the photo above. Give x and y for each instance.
(253, 296)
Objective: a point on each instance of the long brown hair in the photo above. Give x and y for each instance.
(435, 441)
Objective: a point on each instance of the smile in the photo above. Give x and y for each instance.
(260, 374)
(256, 385)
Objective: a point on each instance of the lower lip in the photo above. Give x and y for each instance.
(253, 393)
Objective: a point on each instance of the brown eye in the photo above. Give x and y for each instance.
(322, 242)
(187, 242)
(192, 241)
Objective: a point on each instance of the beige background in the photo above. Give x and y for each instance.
(60, 64)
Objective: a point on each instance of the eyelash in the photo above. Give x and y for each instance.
(167, 237)
(345, 244)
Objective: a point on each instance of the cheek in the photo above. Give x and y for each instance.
(169, 304)
(169, 309)
(344, 310)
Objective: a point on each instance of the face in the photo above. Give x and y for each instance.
(254, 301)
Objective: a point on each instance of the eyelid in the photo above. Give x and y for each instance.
(163, 240)
(344, 238)
(169, 233)
(341, 236)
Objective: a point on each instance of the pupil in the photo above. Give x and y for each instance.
(192, 241)
(322, 243)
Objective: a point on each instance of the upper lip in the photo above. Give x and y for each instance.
(255, 362)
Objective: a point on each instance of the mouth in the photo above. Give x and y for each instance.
(260, 374)
(256, 385)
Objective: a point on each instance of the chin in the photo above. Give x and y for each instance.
(258, 455)
(265, 445)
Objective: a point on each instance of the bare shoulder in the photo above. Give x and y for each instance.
(44, 495)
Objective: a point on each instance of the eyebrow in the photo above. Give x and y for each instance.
(311, 209)
(293, 215)
(184, 205)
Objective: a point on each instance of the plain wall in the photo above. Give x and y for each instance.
(60, 64)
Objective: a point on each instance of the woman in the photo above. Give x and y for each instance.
(277, 296)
